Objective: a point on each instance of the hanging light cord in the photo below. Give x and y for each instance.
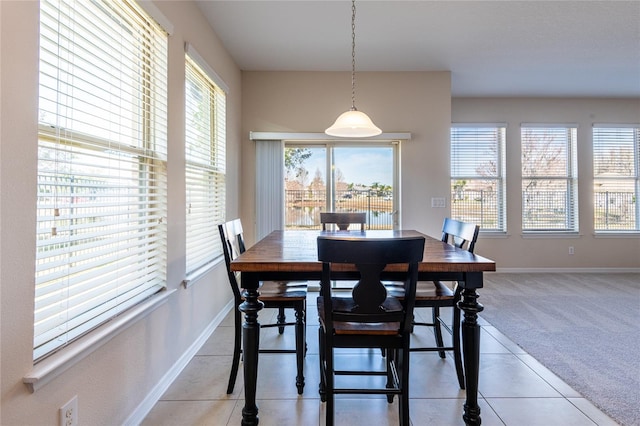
(353, 55)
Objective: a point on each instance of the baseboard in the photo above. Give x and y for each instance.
(568, 270)
(142, 410)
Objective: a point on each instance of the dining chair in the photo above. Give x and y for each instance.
(342, 220)
(281, 295)
(368, 318)
(436, 294)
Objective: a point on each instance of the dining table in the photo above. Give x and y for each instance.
(292, 255)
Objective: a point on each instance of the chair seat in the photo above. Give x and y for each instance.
(282, 290)
(346, 304)
(426, 290)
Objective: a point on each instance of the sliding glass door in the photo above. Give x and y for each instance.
(339, 177)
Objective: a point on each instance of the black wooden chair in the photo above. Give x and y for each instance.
(279, 295)
(342, 220)
(367, 319)
(436, 294)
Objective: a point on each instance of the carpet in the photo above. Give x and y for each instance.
(583, 327)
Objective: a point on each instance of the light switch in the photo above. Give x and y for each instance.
(438, 202)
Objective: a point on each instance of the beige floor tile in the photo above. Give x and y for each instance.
(433, 377)
(548, 376)
(219, 343)
(448, 412)
(515, 389)
(593, 412)
(507, 376)
(363, 411)
(538, 412)
(204, 378)
(277, 376)
(283, 412)
(193, 413)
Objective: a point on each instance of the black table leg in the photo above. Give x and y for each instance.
(471, 349)
(251, 345)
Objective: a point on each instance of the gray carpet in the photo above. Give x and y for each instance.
(583, 327)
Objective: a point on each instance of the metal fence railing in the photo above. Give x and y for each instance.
(615, 211)
(303, 207)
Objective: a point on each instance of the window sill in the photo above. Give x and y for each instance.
(493, 234)
(53, 366)
(193, 277)
(551, 234)
(621, 234)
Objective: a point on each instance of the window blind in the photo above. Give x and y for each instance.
(477, 175)
(101, 206)
(549, 179)
(205, 139)
(616, 172)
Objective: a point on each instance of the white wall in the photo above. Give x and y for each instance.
(111, 382)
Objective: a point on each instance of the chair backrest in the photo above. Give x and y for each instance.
(342, 220)
(232, 247)
(461, 234)
(370, 256)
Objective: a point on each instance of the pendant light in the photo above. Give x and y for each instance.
(353, 123)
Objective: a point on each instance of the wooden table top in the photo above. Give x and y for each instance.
(297, 251)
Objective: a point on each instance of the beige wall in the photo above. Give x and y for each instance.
(420, 103)
(516, 252)
(111, 382)
(415, 102)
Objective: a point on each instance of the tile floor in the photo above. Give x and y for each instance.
(515, 390)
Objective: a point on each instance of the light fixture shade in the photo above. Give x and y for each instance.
(353, 124)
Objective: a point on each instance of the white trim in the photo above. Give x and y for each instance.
(56, 364)
(196, 275)
(147, 404)
(620, 234)
(566, 270)
(157, 16)
(550, 234)
(286, 136)
(193, 54)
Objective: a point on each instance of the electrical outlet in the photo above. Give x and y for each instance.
(570, 249)
(69, 413)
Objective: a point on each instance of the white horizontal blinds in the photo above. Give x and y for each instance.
(101, 233)
(205, 155)
(616, 172)
(477, 175)
(549, 178)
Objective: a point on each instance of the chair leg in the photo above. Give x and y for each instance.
(390, 361)
(403, 359)
(282, 318)
(330, 383)
(322, 388)
(237, 348)
(457, 355)
(300, 347)
(437, 329)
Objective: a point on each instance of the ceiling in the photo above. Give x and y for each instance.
(492, 48)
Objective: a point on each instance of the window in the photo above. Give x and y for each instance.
(205, 138)
(549, 178)
(339, 177)
(477, 175)
(616, 173)
(101, 206)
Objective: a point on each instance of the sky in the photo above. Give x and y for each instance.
(358, 165)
